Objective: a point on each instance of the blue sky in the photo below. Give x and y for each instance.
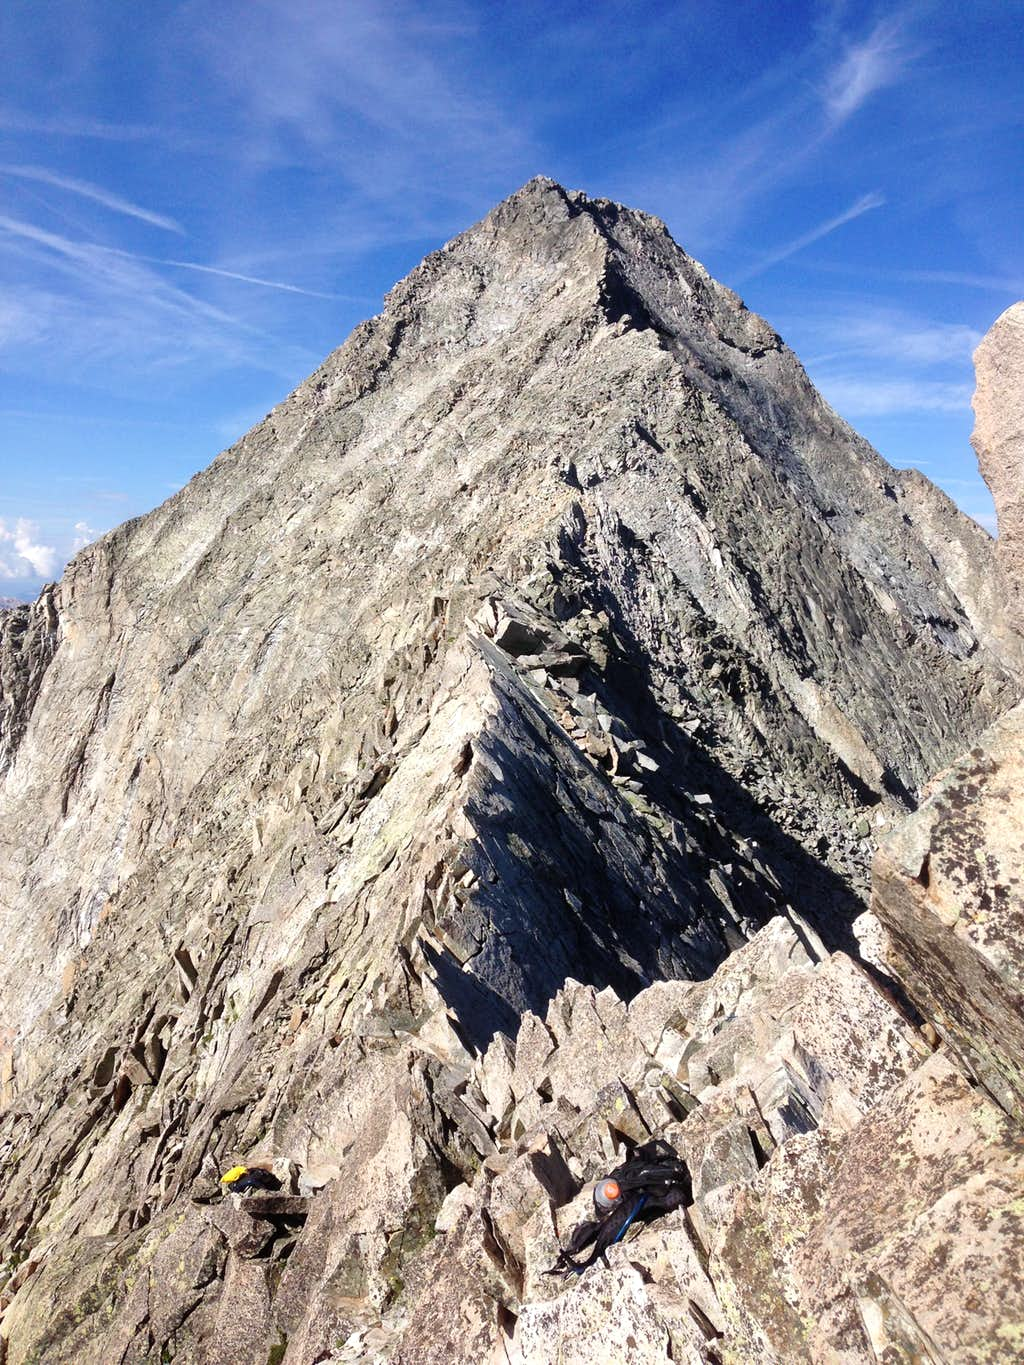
(199, 200)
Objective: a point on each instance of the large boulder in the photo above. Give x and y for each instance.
(999, 441)
(948, 881)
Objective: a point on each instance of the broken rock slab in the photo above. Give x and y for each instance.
(919, 1242)
(606, 1320)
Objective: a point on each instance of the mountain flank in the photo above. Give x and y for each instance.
(414, 799)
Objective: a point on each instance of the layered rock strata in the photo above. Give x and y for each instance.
(555, 628)
(949, 890)
(28, 640)
(851, 1190)
(998, 439)
(949, 883)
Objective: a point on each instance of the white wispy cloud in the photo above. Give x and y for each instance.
(864, 204)
(706, 195)
(874, 360)
(116, 269)
(84, 535)
(808, 96)
(19, 324)
(866, 67)
(224, 274)
(377, 93)
(248, 279)
(99, 307)
(885, 334)
(21, 553)
(394, 137)
(859, 396)
(96, 193)
(916, 343)
(1001, 283)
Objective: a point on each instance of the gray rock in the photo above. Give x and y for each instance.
(998, 439)
(947, 882)
(290, 840)
(947, 890)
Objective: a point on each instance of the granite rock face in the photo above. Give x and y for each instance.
(555, 629)
(949, 889)
(949, 882)
(999, 441)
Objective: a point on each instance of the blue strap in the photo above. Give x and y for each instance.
(625, 1227)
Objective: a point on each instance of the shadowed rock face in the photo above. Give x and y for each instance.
(554, 627)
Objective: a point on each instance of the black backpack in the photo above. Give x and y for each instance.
(653, 1180)
(254, 1178)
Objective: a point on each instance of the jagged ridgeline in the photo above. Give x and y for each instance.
(555, 627)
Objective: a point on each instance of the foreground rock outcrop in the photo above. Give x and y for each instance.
(851, 1190)
(999, 441)
(948, 889)
(554, 631)
(949, 883)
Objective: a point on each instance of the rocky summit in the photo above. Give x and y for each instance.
(475, 772)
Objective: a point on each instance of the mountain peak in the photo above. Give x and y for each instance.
(543, 189)
(539, 185)
(545, 203)
(545, 255)
(555, 627)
